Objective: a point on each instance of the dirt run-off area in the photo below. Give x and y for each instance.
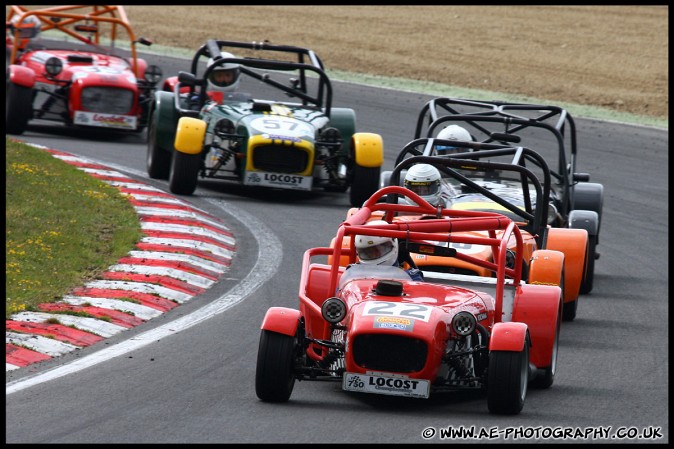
(615, 57)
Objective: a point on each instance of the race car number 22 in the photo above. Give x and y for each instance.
(404, 310)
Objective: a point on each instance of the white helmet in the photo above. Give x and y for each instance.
(424, 180)
(374, 250)
(453, 132)
(28, 28)
(224, 78)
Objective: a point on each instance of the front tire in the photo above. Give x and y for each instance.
(364, 183)
(184, 172)
(158, 160)
(274, 378)
(18, 108)
(508, 376)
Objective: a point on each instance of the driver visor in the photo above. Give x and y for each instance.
(375, 252)
(424, 188)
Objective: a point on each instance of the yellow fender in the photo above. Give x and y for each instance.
(574, 244)
(368, 149)
(190, 135)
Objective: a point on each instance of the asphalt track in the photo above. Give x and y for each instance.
(187, 376)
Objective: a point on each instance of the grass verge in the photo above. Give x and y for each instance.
(63, 227)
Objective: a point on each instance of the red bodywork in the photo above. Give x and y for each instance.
(121, 94)
(509, 310)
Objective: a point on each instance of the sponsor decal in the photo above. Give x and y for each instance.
(280, 180)
(543, 283)
(390, 322)
(278, 137)
(104, 120)
(465, 248)
(389, 385)
(481, 316)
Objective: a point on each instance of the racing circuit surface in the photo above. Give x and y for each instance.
(197, 385)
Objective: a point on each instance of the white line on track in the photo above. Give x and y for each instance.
(266, 265)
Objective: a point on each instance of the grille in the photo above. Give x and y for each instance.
(108, 100)
(390, 353)
(280, 159)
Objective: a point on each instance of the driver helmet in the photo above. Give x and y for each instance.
(453, 132)
(374, 250)
(28, 28)
(424, 180)
(225, 77)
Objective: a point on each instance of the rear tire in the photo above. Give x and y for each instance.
(508, 376)
(184, 172)
(274, 378)
(18, 108)
(364, 183)
(588, 281)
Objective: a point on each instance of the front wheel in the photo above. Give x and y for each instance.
(508, 376)
(365, 182)
(18, 108)
(184, 172)
(158, 159)
(274, 378)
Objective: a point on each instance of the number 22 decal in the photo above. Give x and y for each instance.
(403, 310)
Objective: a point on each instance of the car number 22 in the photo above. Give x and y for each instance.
(404, 310)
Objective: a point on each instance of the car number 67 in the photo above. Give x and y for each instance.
(403, 310)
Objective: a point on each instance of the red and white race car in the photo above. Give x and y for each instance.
(376, 330)
(63, 65)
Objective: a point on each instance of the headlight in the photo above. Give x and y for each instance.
(333, 310)
(53, 66)
(152, 74)
(224, 128)
(463, 323)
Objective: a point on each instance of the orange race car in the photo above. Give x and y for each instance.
(478, 182)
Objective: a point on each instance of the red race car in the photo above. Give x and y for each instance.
(375, 330)
(63, 65)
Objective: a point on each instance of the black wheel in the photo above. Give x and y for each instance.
(184, 172)
(18, 108)
(569, 310)
(158, 160)
(507, 379)
(588, 280)
(364, 183)
(274, 378)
